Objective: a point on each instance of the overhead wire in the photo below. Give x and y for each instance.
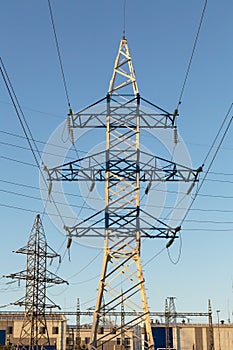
(35, 110)
(25, 127)
(38, 141)
(61, 67)
(59, 53)
(159, 190)
(124, 17)
(70, 131)
(192, 54)
(205, 175)
(28, 149)
(190, 61)
(218, 133)
(209, 167)
(198, 189)
(200, 186)
(41, 189)
(39, 199)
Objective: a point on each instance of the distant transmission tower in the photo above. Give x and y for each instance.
(170, 318)
(34, 332)
(122, 166)
(78, 326)
(211, 330)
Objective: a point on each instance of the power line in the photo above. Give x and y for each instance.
(38, 141)
(41, 189)
(18, 161)
(211, 163)
(24, 125)
(28, 149)
(158, 190)
(33, 211)
(192, 54)
(69, 217)
(99, 199)
(38, 198)
(218, 133)
(59, 53)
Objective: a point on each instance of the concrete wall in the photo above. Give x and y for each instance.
(197, 336)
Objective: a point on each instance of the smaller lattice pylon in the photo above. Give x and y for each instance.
(78, 327)
(34, 332)
(172, 309)
(211, 331)
(170, 318)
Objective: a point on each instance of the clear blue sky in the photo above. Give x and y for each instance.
(160, 36)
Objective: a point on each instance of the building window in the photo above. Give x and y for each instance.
(127, 341)
(55, 330)
(10, 330)
(87, 340)
(118, 341)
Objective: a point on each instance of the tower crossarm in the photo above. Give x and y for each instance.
(90, 168)
(21, 275)
(150, 115)
(150, 227)
(151, 168)
(51, 254)
(48, 278)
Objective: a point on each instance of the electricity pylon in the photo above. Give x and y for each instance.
(34, 332)
(170, 318)
(122, 166)
(211, 331)
(78, 326)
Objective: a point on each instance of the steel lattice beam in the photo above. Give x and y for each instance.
(122, 166)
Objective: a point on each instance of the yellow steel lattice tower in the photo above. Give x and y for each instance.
(123, 222)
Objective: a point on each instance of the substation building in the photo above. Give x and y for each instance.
(182, 335)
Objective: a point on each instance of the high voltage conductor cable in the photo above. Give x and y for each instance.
(29, 149)
(166, 191)
(210, 165)
(70, 130)
(24, 125)
(206, 173)
(33, 211)
(218, 133)
(69, 217)
(18, 110)
(35, 110)
(38, 198)
(59, 53)
(38, 141)
(37, 188)
(192, 55)
(79, 196)
(163, 191)
(124, 13)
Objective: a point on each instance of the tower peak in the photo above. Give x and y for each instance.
(123, 72)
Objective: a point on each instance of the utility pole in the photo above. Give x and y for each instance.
(34, 332)
(122, 166)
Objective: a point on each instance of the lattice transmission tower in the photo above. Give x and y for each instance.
(34, 332)
(170, 318)
(122, 166)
